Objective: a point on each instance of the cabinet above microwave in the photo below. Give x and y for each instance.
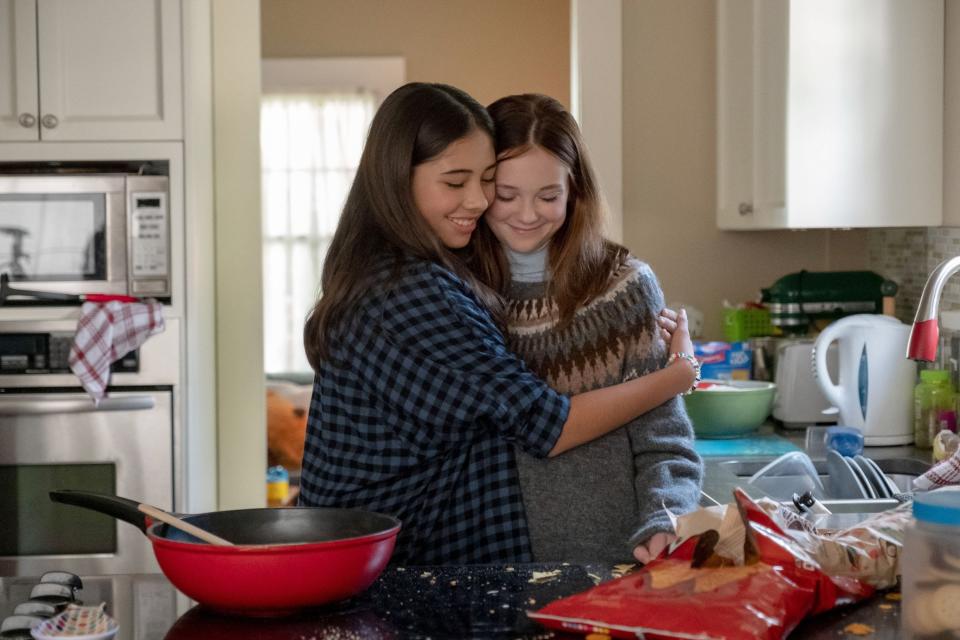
(829, 113)
(85, 71)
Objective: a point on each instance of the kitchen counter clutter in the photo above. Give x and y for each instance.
(481, 601)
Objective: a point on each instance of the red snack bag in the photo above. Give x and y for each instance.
(695, 593)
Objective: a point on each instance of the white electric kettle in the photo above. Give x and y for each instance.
(875, 388)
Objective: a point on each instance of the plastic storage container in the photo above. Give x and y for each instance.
(930, 566)
(797, 469)
(934, 407)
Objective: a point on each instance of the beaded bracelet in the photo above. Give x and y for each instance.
(693, 363)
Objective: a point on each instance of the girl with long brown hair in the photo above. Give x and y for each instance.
(417, 402)
(583, 314)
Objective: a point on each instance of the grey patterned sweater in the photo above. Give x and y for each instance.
(596, 502)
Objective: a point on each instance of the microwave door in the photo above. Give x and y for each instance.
(65, 235)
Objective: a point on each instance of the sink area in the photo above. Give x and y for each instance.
(901, 471)
(894, 467)
(722, 474)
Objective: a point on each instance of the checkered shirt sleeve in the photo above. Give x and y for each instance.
(415, 415)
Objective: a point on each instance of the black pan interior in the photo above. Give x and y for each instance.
(283, 525)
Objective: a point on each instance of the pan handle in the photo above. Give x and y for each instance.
(121, 508)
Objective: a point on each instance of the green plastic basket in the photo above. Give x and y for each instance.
(741, 324)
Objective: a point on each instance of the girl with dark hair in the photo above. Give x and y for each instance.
(417, 402)
(584, 314)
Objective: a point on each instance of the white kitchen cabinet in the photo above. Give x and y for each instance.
(829, 113)
(93, 70)
(18, 70)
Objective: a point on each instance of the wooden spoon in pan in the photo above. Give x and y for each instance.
(182, 525)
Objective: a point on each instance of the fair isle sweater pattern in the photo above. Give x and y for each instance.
(596, 502)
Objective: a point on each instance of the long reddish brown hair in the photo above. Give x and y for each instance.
(415, 123)
(580, 259)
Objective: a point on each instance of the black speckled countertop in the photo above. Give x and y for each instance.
(483, 601)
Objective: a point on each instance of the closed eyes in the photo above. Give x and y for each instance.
(511, 198)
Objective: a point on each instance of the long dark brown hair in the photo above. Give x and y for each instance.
(579, 258)
(415, 123)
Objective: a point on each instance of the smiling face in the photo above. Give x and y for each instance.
(531, 200)
(452, 190)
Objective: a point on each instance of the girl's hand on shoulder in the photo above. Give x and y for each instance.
(680, 341)
(652, 546)
(667, 321)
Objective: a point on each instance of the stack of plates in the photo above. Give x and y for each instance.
(857, 478)
(882, 485)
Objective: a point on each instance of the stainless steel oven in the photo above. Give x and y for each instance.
(86, 227)
(53, 437)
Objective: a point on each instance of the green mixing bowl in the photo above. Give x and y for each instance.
(728, 413)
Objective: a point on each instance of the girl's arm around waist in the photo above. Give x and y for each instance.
(595, 413)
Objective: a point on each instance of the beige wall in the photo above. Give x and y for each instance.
(489, 49)
(507, 46)
(669, 169)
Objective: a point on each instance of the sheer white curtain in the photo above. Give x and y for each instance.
(310, 148)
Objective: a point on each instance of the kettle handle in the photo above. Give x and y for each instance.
(818, 362)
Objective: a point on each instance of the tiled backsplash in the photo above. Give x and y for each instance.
(907, 256)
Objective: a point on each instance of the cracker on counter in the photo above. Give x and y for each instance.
(858, 629)
(539, 577)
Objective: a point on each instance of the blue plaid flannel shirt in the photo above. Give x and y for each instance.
(416, 414)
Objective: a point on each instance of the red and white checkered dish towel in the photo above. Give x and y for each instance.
(106, 332)
(944, 473)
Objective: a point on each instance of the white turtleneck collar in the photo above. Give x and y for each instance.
(528, 267)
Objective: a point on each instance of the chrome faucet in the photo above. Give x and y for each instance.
(926, 331)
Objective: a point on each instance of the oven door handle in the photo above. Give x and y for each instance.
(43, 406)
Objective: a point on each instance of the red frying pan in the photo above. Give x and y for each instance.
(284, 559)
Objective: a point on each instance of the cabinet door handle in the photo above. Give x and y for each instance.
(50, 121)
(27, 120)
(745, 208)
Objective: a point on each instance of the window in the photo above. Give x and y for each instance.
(315, 113)
(310, 147)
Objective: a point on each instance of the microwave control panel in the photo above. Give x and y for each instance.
(149, 230)
(45, 353)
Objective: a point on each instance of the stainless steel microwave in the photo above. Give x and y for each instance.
(82, 233)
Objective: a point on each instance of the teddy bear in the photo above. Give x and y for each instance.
(286, 430)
